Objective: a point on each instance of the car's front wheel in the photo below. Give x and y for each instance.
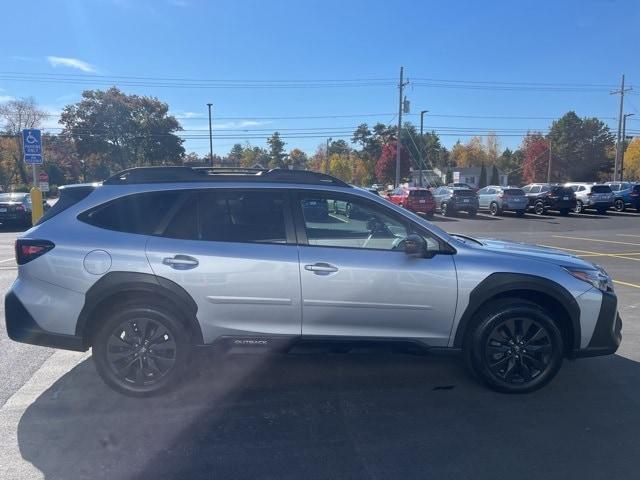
(514, 346)
(538, 208)
(494, 209)
(579, 207)
(141, 349)
(619, 205)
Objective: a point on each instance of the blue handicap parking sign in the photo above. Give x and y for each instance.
(32, 145)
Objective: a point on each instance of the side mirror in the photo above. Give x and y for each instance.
(414, 244)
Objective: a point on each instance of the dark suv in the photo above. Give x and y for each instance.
(548, 196)
(451, 200)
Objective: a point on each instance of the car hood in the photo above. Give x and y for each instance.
(534, 252)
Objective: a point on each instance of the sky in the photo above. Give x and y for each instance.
(477, 66)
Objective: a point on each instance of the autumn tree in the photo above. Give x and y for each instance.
(297, 159)
(470, 154)
(17, 115)
(254, 156)
(632, 160)
(495, 175)
(536, 157)
(386, 165)
(492, 148)
(482, 181)
(341, 166)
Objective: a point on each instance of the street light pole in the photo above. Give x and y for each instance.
(422, 112)
(624, 138)
(210, 136)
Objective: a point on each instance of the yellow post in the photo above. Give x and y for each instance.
(36, 204)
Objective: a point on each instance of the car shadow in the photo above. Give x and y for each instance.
(362, 415)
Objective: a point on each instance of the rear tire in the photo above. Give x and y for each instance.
(141, 349)
(494, 209)
(444, 210)
(514, 346)
(538, 208)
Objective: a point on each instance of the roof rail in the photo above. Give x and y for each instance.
(209, 174)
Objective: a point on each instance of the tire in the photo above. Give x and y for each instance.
(618, 205)
(538, 208)
(161, 368)
(494, 209)
(602, 211)
(472, 213)
(579, 207)
(444, 210)
(520, 213)
(498, 346)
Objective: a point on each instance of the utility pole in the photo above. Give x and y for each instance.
(401, 86)
(422, 139)
(549, 166)
(624, 139)
(616, 168)
(210, 136)
(326, 160)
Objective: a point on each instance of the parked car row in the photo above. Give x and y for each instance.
(538, 198)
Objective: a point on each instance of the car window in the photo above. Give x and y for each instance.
(482, 191)
(255, 216)
(515, 192)
(526, 189)
(367, 226)
(545, 188)
(601, 189)
(535, 189)
(140, 213)
(615, 187)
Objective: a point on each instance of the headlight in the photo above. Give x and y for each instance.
(596, 277)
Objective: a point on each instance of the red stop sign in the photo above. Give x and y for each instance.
(43, 177)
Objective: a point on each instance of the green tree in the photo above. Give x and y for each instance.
(340, 147)
(276, 151)
(124, 130)
(482, 182)
(234, 157)
(254, 156)
(580, 148)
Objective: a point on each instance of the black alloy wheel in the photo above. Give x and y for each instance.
(538, 208)
(618, 205)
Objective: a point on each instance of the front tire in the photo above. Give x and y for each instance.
(494, 209)
(619, 205)
(141, 349)
(538, 208)
(579, 207)
(514, 346)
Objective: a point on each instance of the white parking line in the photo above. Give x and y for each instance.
(7, 260)
(627, 235)
(595, 240)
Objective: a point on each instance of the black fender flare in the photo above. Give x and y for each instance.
(116, 283)
(500, 284)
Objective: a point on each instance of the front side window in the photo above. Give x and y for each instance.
(366, 226)
(535, 189)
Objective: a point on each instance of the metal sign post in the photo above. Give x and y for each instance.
(32, 151)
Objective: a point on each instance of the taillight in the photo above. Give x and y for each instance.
(590, 194)
(27, 249)
(634, 194)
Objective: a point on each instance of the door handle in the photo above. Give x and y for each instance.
(321, 268)
(181, 262)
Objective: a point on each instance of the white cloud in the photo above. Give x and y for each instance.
(71, 63)
(6, 98)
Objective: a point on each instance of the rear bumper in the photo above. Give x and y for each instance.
(593, 204)
(607, 333)
(21, 327)
(15, 217)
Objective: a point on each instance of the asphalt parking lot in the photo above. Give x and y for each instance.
(365, 414)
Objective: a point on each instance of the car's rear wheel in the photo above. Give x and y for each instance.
(618, 205)
(141, 349)
(444, 209)
(579, 207)
(538, 208)
(494, 209)
(514, 346)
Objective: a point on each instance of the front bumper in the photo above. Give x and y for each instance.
(21, 327)
(607, 333)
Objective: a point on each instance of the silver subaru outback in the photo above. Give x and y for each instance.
(155, 261)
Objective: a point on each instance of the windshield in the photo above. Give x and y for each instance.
(13, 197)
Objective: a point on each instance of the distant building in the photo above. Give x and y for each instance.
(471, 175)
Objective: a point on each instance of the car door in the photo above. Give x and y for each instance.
(482, 194)
(358, 282)
(234, 253)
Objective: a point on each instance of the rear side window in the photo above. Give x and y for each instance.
(69, 196)
(535, 189)
(230, 216)
(141, 213)
(419, 193)
(601, 189)
(464, 193)
(514, 192)
(636, 188)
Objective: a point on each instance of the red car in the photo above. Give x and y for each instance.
(418, 200)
